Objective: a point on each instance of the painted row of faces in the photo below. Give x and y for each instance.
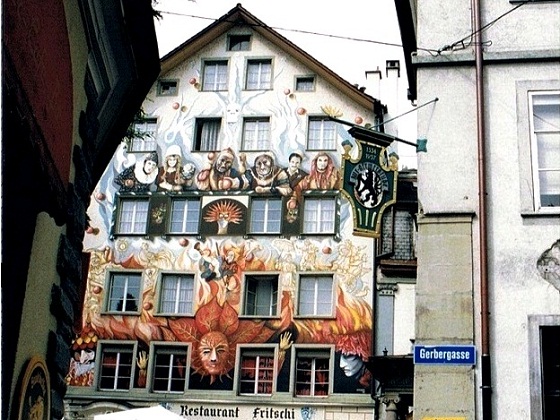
(219, 174)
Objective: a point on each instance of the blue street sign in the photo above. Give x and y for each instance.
(445, 355)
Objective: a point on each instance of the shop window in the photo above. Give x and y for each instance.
(312, 373)
(185, 216)
(256, 133)
(132, 216)
(259, 74)
(124, 292)
(214, 76)
(266, 215)
(116, 367)
(170, 370)
(321, 134)
(256, 372)
(261, 295)
(176, 294)
(315, 297)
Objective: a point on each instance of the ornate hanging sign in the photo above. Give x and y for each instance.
(370, 180)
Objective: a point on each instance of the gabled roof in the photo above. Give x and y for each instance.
(238, 15)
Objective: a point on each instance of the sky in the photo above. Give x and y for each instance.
(373, 20)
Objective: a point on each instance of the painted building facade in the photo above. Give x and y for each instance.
(224, 277)
(489, 188)
(62, 117)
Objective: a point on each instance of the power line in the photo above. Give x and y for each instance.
(469, 37)
(276, 28)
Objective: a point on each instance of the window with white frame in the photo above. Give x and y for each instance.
(124, 292)
(319, 215)
(214, 76)
(169, 369)
(256, 375)
(239, 42)
(321, 134)
(207, 134)
(545, 146)
(185, 215)
(259, 74)
(538, 136)
(176, 294)
(544, 366)
(132, 216)
(261, 295)
(266, 215)
(315, 295)
(144, 135)
(305, 83)
(256, 133)
(312, 373)
(116, 367)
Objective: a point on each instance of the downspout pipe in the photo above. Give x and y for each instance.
(486, 374)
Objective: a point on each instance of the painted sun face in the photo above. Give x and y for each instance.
(322, 163)
(213, 352)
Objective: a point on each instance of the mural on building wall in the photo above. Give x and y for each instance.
(223, 254)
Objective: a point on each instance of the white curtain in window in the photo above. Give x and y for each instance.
(546, 130)
(133, 216)
(209, 135)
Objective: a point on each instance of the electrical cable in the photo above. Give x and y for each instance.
(470, 36)
(276, 28)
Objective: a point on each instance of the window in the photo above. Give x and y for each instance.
(315, 295)
(207, 132)
(144, 135)
(261, 295)
(256, 133)
(132, 216)
(544, 366)
(312, 376)
(319, 215)
(117, 367)
(538, 135)
(545, 144)
(239, 42)
(167, 88)
(257, 372)
(266, 215)
(259, 74)
(305, 83)
(177, 294)
(185, 215)
(215, 75)
(124, 292)
(321, 134)
(169, 369)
